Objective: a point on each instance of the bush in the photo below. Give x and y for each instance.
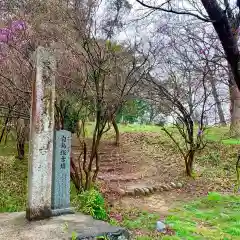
(92, 203)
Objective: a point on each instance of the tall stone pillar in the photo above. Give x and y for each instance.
(41, 136)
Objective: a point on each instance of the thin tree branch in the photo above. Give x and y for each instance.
(205, 19)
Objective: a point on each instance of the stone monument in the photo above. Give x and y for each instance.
(49, 172)
(61, 173)
(41, 136)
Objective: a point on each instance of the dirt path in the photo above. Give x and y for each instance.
(159, 203)
(142, 160)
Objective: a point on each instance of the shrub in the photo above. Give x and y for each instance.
(92, 203)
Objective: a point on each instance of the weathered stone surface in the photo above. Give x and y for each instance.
(61, 170)
(61, 211)
(165, 187)
(169, 187)
(179, 185)
(154, 189)
(41, 136)
(161, 227)
(130, 192)
(14, 226)
(138, 192)
(173, 184)
(159, 189)
(142, 191)
(112, 234)
(146, 190)
(150, 189)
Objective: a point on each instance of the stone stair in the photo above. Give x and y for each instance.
(144, 189)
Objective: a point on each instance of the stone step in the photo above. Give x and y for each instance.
(147, 189)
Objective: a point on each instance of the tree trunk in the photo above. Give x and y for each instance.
(189, 163)
(218, 102)
(21, 137)
(235, 111)
(7, 133)
(20, 150)
(115, 126)
(225, 30)
(229, 40)
(5, 126)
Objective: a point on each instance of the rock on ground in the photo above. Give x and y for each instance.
(14, 226)
(161, 227)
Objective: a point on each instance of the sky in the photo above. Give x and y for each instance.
(149, 24)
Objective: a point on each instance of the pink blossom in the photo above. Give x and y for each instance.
(18, 25)
(9, 34)
(5, 35)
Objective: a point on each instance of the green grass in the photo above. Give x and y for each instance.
(13, 181)
(215, 134)
(212, 134)
(139, 128)
(144, 219)
(8, 150)
(13, 184)
(140, 223)
(215, 217)
(231, 141)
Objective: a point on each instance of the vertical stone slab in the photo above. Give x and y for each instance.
(61, 173)
(41, 136)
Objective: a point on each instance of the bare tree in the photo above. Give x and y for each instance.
(106, 73)
(224, 18)
(193, 141)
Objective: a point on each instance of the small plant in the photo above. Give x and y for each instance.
(66, 230)
(102, 238)
(74, 236)
(65, 227)
(92, 202)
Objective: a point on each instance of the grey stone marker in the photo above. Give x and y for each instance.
(61, 173)
(41, 136)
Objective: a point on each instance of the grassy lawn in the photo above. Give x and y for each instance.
(215, 134)
(215, 217)
(13, 184)
(212, 134)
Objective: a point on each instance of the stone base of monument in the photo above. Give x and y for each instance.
(63, 211)
(14, 226)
